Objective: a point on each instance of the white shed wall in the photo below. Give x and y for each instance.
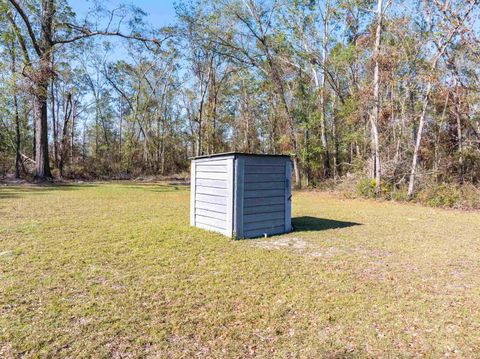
(211, 194)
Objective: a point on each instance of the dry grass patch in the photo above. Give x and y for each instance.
(115, 270)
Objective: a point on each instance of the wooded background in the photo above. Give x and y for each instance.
(384, 90)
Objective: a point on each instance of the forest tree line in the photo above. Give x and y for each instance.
(386, 90)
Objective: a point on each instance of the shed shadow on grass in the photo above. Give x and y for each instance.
(38, 189)
(310, 224)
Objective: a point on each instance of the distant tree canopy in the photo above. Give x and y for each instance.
(386, 89)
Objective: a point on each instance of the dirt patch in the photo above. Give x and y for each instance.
(296, 245)
(282, 243)
(306, 248)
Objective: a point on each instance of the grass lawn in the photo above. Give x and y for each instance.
(115, 270)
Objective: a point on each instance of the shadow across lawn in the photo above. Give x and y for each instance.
(163, 188)
(307, 224)
(22, 191)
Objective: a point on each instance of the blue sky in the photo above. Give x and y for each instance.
(161, 12)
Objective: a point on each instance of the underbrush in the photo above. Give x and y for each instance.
(450, 195)
(429, 193)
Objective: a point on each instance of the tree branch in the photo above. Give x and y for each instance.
(24, 16)
(20, 38)
(86, 33)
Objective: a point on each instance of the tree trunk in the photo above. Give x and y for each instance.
(436, 160)
(416, 151)
(459, 133)
(72, 131)
(42, 166)
(214, 119)
(84, 142)
(376, 108)
(97, 124)
(54, 122)
(162, 150)
(290, 120)
(18, 158)
(199, 139)
(306, 170)
(323, 131)
(335, 139)
(67, 112)
(120, 132)
(296, 171)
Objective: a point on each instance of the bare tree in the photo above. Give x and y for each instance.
(456, 21)
(41, 73)
(376, 100)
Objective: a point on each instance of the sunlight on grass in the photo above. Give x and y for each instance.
(108, 269)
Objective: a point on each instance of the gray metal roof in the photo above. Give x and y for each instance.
(239, 154)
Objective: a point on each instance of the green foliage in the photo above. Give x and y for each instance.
(470, 196)
(399, 194)
(440, 195)
(446, 195)
(342, 55)
(366, 188)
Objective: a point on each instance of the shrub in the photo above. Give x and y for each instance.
(399, 194)
(366, 187)
(446, 194)
(470, 196)
(440, 195)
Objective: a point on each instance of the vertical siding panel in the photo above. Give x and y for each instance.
(238, 199)
(193, 176)
(288, 196)
(230, 202)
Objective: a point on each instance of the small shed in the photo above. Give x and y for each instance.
(241, 195)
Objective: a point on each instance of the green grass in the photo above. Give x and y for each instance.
(115, 270)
